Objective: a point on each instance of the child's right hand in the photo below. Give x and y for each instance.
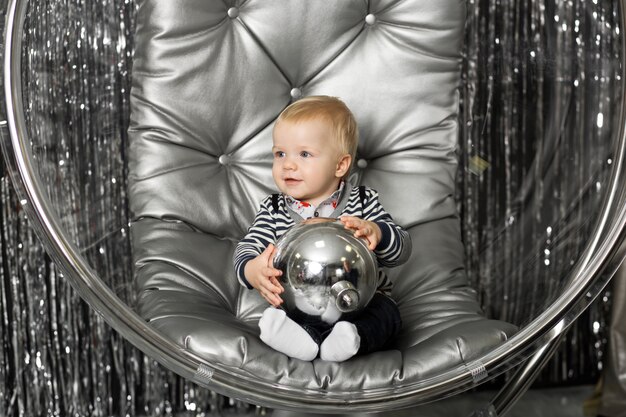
(262, 275)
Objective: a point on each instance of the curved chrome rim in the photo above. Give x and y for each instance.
(599, 261)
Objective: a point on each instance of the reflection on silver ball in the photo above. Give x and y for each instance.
(327, 272)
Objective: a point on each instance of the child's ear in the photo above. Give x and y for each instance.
(343, 166)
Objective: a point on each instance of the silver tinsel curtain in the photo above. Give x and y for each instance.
(542, 94)
(535, 75)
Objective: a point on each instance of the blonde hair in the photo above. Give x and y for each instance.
(331, 110)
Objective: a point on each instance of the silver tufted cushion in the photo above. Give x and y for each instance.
(209, 79)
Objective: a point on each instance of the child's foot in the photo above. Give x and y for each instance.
(342, 343)
(285, 335)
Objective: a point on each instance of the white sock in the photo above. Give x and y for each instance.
(285, 335)
(342, 343)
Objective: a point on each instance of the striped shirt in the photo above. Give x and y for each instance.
(269, 225)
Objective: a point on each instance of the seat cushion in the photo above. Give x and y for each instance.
(442, 323)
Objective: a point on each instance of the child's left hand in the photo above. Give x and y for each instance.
(363, 228)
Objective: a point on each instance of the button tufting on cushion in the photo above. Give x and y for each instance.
(370, 19)
(233, 12)
(224, 159)
(296, 93)
(361, 163)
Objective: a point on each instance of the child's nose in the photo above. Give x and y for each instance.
(289, 164)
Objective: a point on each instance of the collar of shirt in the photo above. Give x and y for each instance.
(307, 210)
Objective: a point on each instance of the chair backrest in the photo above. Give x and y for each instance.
(209, 80)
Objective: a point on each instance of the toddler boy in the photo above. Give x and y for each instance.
(314, 144)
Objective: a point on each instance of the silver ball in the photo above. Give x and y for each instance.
(327, 272)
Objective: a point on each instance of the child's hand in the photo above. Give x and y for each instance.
(262, 275)
(363, 228)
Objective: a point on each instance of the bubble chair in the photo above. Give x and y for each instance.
(208, 81)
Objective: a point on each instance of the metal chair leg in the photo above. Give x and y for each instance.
(515, 387)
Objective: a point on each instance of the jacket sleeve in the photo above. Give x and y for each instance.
(395, 245)
(260, 234)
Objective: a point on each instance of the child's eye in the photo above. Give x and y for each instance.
(279, 154)
(305, 154)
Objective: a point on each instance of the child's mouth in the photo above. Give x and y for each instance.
(292, 181)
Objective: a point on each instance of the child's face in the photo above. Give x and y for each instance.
(308, 164)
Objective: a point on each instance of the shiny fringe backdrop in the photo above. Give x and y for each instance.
(536, 74)
(542, 95)
(58, 357)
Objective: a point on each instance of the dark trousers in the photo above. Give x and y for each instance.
(377, 324)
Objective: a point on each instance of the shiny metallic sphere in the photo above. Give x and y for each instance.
(327, 272)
